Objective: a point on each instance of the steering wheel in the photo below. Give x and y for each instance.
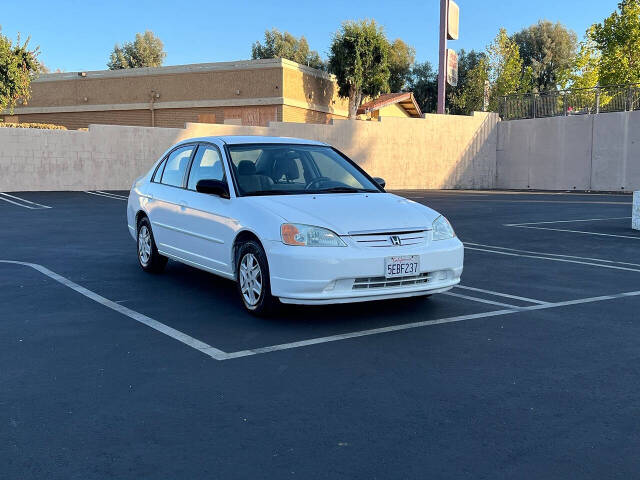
(316, 180)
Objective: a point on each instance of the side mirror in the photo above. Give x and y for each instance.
(380, 181)
(213, 187)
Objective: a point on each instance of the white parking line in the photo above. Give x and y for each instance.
(481, 300)
(107, 195)
(498, 294)
(122, 196)
(218, 354)
(138, 317)
(458, 193)
(525, 201)
(566, 260)
(565, 221)
(406, 326)
(579, 231)
(364, 333)
(37, 206)
(551, 254)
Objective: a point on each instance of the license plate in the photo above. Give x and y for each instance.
(408, 266)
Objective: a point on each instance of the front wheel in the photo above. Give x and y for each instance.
(254, 286)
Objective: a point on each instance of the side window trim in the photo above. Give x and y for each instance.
(187, 174)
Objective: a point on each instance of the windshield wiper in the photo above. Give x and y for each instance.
(345, 190)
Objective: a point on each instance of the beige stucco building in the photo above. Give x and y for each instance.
(250, 92)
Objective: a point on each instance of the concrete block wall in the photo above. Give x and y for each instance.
(101, 158)
(589, 152)
(436, 152)
(586, 152)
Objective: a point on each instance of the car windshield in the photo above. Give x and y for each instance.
(285, 169)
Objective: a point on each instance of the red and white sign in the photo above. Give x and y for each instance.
(452, 67)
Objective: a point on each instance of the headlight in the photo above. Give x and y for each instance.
(442, 229)
(309, 236)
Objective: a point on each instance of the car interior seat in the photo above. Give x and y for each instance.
(249, 180)
(285, 168)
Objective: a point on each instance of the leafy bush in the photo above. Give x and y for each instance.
(44, 126)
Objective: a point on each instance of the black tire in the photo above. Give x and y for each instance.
(149, 258)
(263, 304)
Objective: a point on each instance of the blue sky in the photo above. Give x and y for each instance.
(79, 35)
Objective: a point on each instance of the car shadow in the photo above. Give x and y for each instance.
(220, 295)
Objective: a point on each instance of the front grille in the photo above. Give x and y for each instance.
(384, 239)
(382, 282)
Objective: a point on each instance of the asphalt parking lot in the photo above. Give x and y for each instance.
(528, 370)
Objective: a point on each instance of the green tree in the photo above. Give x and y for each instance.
(359, 60)
(423, 82)
(18, 66)
(584, 77)
(401, 59)
(468, 95)
(506, 70)
(617, 41)
(585, 72)
(284, 45)
(147, 50)
(549, 50)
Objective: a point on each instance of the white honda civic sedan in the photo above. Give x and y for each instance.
(290, 220)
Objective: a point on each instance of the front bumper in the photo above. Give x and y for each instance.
(322, 275)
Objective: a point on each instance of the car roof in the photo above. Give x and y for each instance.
(243, 139)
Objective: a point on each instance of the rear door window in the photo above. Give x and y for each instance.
(176, 166)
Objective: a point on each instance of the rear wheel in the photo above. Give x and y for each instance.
(254, 286)
(148, 257)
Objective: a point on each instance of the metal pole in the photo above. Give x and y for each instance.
(533, 104)
(442, 70)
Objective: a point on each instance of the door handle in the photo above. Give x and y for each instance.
(183, 205)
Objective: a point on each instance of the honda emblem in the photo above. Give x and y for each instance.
(396, 241)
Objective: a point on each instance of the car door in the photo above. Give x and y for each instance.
(166, 202)
(209, 218)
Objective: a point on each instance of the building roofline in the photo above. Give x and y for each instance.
(389, 99)
(189, 68)
(230, 102)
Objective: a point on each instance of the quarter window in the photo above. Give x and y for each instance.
(176, 166)
(207, 165)
(158, 172)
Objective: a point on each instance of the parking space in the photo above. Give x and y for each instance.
(533, 355)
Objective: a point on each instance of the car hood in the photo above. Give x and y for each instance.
(350, 212)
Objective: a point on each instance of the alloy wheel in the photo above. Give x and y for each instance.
(250, 279)
(144, 245)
